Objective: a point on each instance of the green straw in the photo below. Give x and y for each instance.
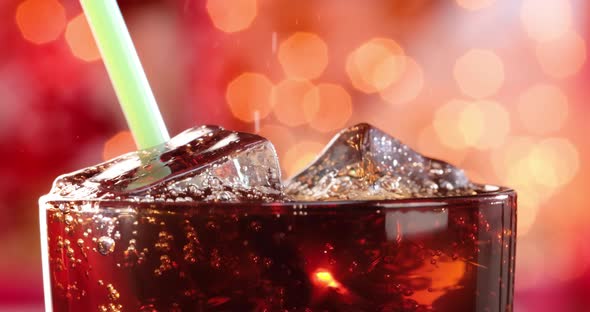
(126, 73)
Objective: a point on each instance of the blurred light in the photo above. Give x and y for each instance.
(325, 278)
(535, 170)
(545, 20)
(529, 203)
(300, 156)
(409, 85)
(509, 158)
(249, 95)
(429, 144)
(562, 57)
(121, 143)
(40, 21)
(445, 124)
(327, 107)
(542, 108)
(480, 124)
(471, 124)
(554, 162)
(287, 99)
(232, 15)
(303, 56)
(495, 123)
(80, 40)
(474, 4)
(479, 73)
(375, 65)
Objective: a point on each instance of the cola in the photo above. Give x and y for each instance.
(203, 223)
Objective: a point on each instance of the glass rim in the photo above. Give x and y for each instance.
(496, 194)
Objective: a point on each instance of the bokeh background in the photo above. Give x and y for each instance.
(498, 87)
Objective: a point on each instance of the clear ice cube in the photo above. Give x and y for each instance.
(364, 163)
(205, 163)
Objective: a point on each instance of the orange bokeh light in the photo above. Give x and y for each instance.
(303, 56)
(479, 73)
(473, 5)
(327, 107)
(287, 98)
(543, 108)
(121, 143)
(546, 20)
(80, 40)
(232, 15)
(300, 156)
(375, 65)
(41, 21)
(409, 85)
(562, 57)
(249, 96)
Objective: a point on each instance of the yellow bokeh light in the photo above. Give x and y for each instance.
(547, 19)
(409, 85)
(542, 108)
(495, 124)
(445, 124)
(303, 56)
(249, 96)
(471, 124)
(232, 15)
(473, 5)
(327, 107)
(429, 144)
(553, 162)
(480, 124)
(287, 98)
(121, 143)
(375, 65)
(536, 170)
(529, 202)
(80, 40)
(479, 73)
(40, 21)
(562, 57)
(300, 156)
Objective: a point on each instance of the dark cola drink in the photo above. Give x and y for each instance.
(204, 223)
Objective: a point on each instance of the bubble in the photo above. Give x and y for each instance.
(106, 245)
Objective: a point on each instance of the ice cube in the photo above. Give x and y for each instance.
(363, 163)
(205, 163)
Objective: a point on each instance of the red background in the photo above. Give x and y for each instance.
(498, 87)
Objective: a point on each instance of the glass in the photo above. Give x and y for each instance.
(429, 254)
